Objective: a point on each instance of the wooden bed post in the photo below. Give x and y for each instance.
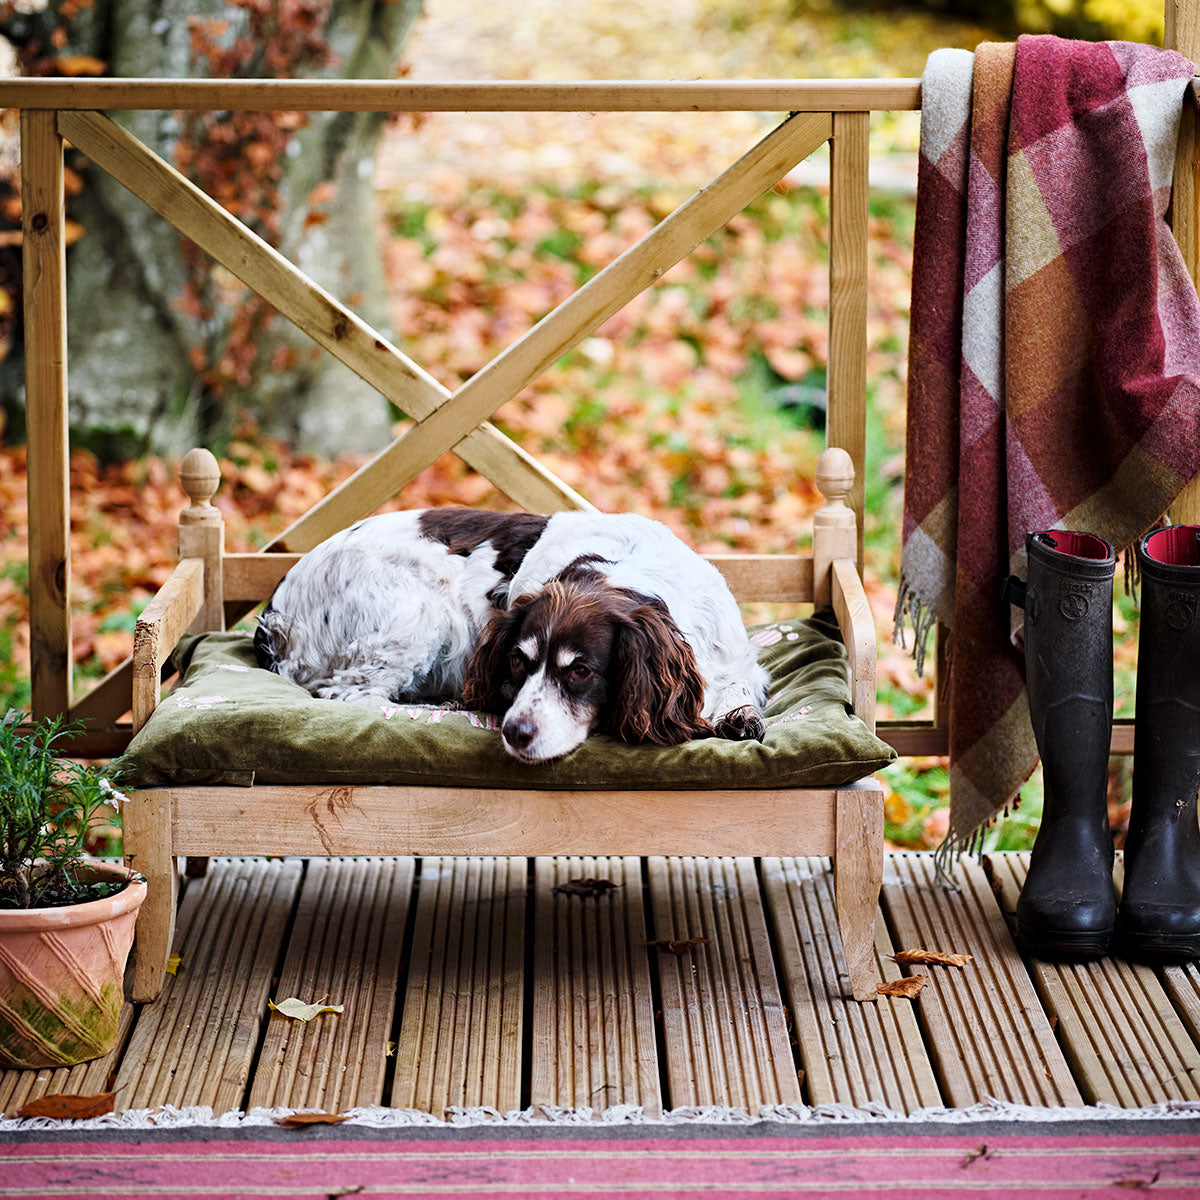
(834, 525)
(45, 299)
(202, 534)
(149, 816)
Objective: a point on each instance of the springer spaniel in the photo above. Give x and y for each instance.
(563, 624)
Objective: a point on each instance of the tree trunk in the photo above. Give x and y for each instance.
(132, 386)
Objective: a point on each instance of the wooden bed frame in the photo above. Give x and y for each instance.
(210, 589)
(201, 821)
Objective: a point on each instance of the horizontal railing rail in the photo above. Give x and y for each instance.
(385, 95)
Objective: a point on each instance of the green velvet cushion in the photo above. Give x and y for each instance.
(230, 722)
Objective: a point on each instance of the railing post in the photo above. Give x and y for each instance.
(45, 299)
(847, 380)
(1182, 33)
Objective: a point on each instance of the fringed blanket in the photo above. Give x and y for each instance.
(1054, 367)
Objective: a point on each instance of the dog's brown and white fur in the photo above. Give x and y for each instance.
(567, 624)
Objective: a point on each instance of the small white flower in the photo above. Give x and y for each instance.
(111, 792)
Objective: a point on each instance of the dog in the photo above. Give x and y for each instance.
(564, 625)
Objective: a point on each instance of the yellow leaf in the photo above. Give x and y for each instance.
(297, 1010)
(80, 64)
(174, 962)
(390, 1052)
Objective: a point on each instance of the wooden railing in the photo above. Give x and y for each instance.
(836, 112)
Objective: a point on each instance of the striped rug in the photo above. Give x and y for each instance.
(1066, 1159)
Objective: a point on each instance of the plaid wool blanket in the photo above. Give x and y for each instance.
(1054, 363)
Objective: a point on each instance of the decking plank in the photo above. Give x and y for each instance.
(1125, 1041)
(724, 1025)
(851, 1053)
(345, 948)
(593, 1042)
(466, 974)
(1130, 1036)
(194, 1044)
(984, 1025)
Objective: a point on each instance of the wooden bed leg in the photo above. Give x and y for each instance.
(147, 824)
(858, 876)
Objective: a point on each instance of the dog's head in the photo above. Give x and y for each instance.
(582, 655)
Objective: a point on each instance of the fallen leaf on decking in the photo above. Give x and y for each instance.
(980, 1151)
(69, 1106)
(300, 1119)
(938, 958)
(174, 962)
(585, 887)
(909, 987)
(297, 1010)
(681, 946)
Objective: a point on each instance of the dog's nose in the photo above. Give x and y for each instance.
(519, 733)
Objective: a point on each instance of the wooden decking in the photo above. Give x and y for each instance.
(479, 982)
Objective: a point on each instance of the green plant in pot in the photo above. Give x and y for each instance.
(66, 924)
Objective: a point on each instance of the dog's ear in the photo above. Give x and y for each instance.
(487, 684)
(659, 694)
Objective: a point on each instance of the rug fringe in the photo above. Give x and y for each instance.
(170, 1117)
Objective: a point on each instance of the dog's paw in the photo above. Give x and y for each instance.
(741, 724)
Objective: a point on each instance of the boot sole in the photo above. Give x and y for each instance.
(1065, 945)
(1160, 947)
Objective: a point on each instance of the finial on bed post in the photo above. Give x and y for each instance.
(202, 534)
(834, 532)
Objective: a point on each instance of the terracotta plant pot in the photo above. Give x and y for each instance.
(62, 975)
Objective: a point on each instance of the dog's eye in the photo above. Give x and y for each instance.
(516, 662)
(579, 673)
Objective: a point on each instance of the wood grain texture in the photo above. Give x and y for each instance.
(770, 578)
(1182, 33)
(460, 1041)
(593, 1043)
(294, 819)
(344, 948)
(850, 1053)
(968, 1033)
(922, 737)
(846, 424)
(984, 1026)
(194, 1045)
(724, 1027)
(858, 632)
(1115, 1022)
(617, 95)
(45, 316)
(159, 627)
(202, 534)
(146, 822)
(328, 322)
(834, 523)
(858, 873)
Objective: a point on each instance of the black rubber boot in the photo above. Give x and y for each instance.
(1067, 907)
(1160, 905)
